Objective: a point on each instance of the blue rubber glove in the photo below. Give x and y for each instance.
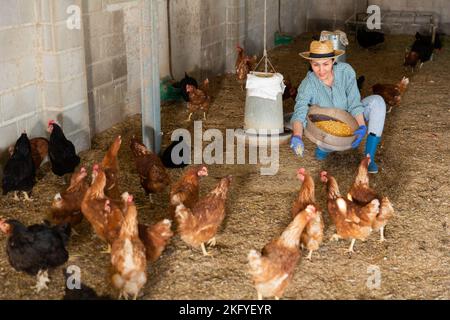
(297, 145)
(360, 134)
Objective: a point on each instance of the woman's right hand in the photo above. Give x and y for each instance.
(297, 145)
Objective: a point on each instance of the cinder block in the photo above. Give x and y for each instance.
(98, 23)
(117, 17)
(52, 95)
(9, 136)
(92, 47)
(47, 37)
(9, 76)
(76, 118)
(50, 67)
(27, 11)
(89, 6)
(73, 91)
(66, 38)
(113, 45)
(71, 63)
(106, 97)
(9, 14)
(81, 140)
(27, 69)
(119, 67)
(17, 42)
(19, 102)
(59, 9)
(99, 74)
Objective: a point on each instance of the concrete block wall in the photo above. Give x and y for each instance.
(43, 72)
(20, 96)
(106, 63)
(63, 71)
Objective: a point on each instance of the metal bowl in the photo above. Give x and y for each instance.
(324, 139)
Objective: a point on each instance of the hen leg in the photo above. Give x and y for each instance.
(16, 198)
(42, 280)
(350, 249)
(204, 116)
(107, 250)
(205, 253)
(382, 239)
(260, 297)
(150, 197)
(390, 109)
(189, 119)
(309, 257)
(335, 237)
(212, 242)
(26, 197)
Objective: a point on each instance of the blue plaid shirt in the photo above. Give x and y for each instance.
(343, 95)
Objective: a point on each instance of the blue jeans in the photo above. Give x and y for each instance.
(374, 114)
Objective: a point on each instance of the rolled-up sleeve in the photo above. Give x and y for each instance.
(355, 106)
(304, 98)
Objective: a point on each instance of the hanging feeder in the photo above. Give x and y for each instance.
(264, 102)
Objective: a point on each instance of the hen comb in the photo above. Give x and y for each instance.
(51, 122)
(95, 167)
(301, 171)
(130, 199)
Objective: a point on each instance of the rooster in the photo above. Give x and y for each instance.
(391, 93)
(272, 269)
(362, 194)
(36, 249)
(129, 263)
(19, 174)
(201, 224)
(61, 151)
(312, 235)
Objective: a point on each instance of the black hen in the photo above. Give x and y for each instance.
(427, 40)
(167, 154)
(19, 171)
(424, 50)
(360, 82)
(36, 248)
(61, 151)
(183, 83)
(84, 293)
(368, 39)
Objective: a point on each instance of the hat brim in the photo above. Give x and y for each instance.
(306, 55)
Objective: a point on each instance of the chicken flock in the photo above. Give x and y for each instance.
(133, 246)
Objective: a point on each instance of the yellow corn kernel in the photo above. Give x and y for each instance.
(335, 128)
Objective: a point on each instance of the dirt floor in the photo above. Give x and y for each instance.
(414, 160)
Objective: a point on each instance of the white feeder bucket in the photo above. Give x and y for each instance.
(264, 107)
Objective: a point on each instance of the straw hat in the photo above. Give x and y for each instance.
(322, 50)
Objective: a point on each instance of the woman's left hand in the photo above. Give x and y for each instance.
(360, 134)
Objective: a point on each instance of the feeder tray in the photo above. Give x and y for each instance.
(324, 139)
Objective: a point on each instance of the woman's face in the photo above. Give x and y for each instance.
(322, 68)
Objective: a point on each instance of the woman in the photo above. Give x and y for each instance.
(334, 84)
